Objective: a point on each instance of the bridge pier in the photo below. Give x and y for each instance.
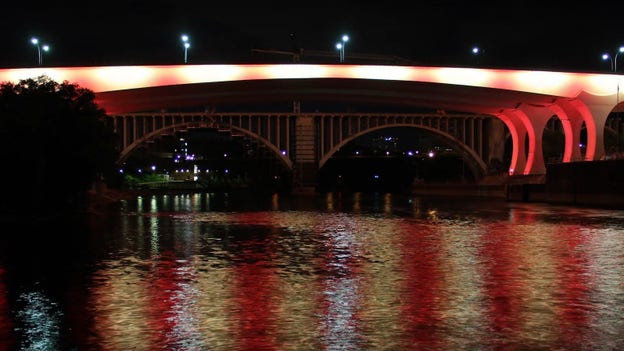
(305, 167)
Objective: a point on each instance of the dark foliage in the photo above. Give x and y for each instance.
(54, 144)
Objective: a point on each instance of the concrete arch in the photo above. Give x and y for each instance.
(283, 158)
(517, 132)
(479, 166)
(572, 122)
(186, 125)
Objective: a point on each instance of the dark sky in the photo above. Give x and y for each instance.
(567, 36)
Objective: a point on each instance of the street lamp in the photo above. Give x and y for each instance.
(613, 60)
(45, 48)
(341, 46)
(186, 44)
(477, 52)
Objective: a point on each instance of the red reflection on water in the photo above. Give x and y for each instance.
(254, 293)
(572, 286)
(502, 285)
(423, 282)
(162, 305)
(7, 341)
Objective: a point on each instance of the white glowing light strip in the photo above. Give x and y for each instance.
(111, 78)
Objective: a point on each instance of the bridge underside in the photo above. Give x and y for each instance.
(362, 92)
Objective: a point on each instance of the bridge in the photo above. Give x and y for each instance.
(147, 101)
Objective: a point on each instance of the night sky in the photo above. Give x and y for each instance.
(514, 34)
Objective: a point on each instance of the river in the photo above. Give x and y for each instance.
(207, 271)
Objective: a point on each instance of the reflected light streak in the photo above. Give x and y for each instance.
(254, 298)
(463, 280)
(341, 287)
(422, 289)
(503, 287)
(606, 270)
(381, 268)
(574, 284)
(537, 263)
(6, 323)
(120, 296)
(388, 204)
(41, 320)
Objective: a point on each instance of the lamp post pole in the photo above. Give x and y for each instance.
(605, 57)
(187, 45)
(341, 46)
(617, 99)
(620, 50)
(345, 39)
(45, 48)
(613, 61)
(35, 41)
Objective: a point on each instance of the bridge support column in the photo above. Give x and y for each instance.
(305, 167)
(599, 109)
(572, 123)
(518, 133)
(535, 121)
(496, 141)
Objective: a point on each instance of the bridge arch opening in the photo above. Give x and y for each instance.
(190, 157)
(613, 139)
(394, 158)
(553, 141)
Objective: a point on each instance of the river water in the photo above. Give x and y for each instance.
(205, 271)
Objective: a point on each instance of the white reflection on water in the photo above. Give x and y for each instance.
(341, 291)
(40, 320)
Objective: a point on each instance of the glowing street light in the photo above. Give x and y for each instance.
(341, 47)
(45, 48)
(613, 60)
(477, 52)
(187, 45)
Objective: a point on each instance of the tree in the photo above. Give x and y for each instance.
(54, 144)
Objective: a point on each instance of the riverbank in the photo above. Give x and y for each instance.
(591, 184)
(597, 184)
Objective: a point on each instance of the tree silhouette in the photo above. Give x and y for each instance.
(54, 144)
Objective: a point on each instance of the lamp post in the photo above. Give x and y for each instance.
(187, 45)
(613, 60)
(477, 52)
(341, 46)
(45, 48)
